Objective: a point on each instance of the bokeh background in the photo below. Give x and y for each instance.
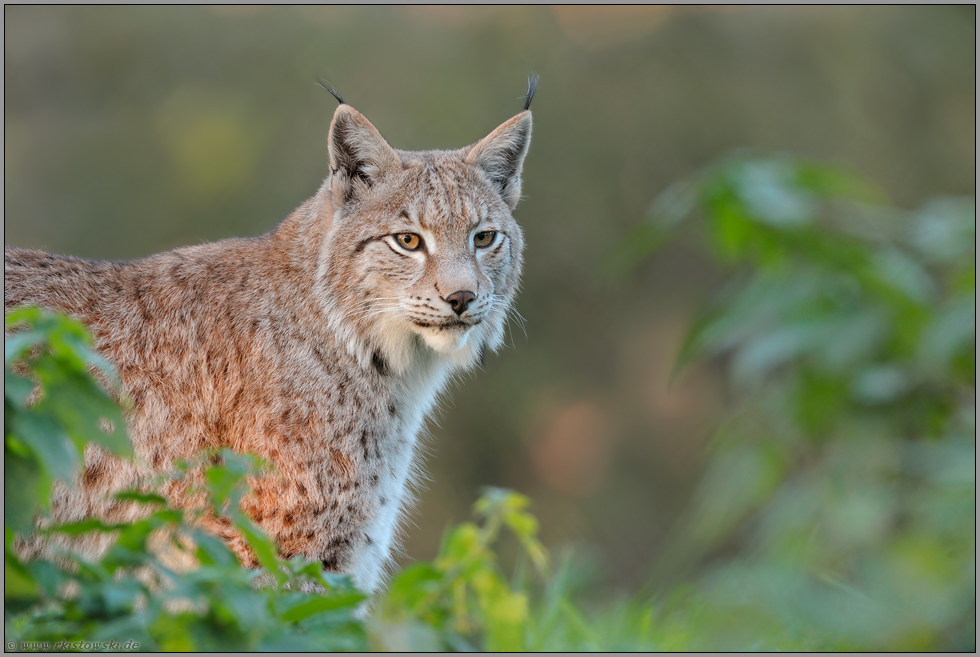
(132, 130)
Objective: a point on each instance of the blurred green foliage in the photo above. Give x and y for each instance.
(164, 584)
(44, 441)
(837, 509)
(836, 512)
(462, 596)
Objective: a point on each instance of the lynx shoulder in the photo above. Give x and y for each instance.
(320, 346)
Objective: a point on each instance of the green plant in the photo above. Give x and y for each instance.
(461, 599)
(138, 592)
(44, 441)
(843, 481)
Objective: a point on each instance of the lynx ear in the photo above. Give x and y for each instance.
(501, 155)
(359, 155)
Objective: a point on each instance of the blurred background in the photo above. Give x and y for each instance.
(132, 130)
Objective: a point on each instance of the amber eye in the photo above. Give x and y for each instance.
(409, 241)
(484, 239)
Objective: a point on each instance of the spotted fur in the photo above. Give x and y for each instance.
(321, 346)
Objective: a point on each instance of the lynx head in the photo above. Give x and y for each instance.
(423, 254)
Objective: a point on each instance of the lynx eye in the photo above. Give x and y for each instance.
(409, 241)
(484, 239)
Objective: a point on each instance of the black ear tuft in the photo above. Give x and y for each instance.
(532, 86)
(333, 92)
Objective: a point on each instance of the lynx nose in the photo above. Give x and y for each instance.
(459, 300)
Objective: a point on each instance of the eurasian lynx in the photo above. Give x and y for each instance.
(320, 346)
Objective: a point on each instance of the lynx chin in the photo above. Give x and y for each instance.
(320, 346)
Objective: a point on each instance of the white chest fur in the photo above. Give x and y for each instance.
(414, 396)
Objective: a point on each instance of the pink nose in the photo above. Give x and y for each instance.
(459, 300)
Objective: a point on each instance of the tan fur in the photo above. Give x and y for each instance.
(319, 346)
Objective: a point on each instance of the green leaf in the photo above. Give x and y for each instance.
(523, 524)
(342, 637)
(833, 182)
(765, 353)
(904, 274)
(769, 193)
(498, 500)
(212, 550)
(83, 408)
(953, 328)
(26, 488)
(463, 544)
(17, 581)
(83, 527)
(945, 229)
(415, 583)
(250, 608)
(320, 604)
(142, 498)
(16, 388)
(881, 385)
(13, 319)
(16, 345)
(853, 338)
(263, 546)
(507, 615)
(121, 596)
(55, 449)
(285, 642)
(50, 578)
(410, 636)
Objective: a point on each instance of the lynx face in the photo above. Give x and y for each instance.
(423, 249)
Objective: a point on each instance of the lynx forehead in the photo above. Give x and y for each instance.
(320, 346)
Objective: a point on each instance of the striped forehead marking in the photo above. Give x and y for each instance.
(443, 183)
